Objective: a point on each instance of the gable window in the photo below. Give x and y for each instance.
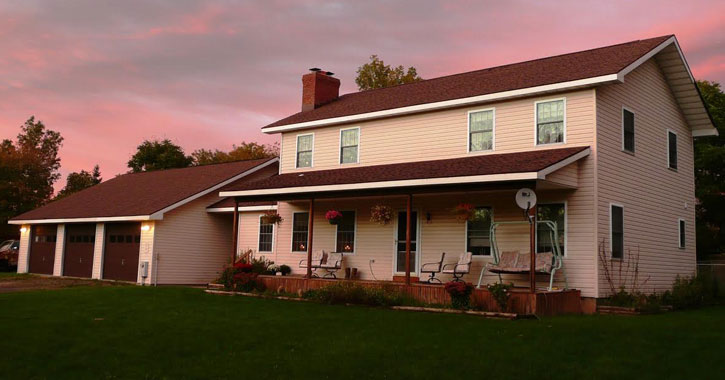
(672, 150)
(345, 240)
(550, 122)
(616, 215)
(478, 232)
(681, 225)
(555, 212)
(480, 130)
(349, 142)
(627, 130)
(305, 145)
(300, 224)
(266, 234)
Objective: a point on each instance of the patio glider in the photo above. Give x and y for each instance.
(432, 269)
(331, 263)
(513, 262)
(460, 268)
(316, 263)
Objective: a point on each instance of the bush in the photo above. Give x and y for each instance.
(247, 282)
(285, 269)
(351, 293)
(460, 292)
(240, 277)
(501, 294)
(693, 292)
(261, 265)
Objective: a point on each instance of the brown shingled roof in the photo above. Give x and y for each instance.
(140, 193)
(539, 72)
(521, 162)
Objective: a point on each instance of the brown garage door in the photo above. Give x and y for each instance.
(78, 257)
(42, 249)
(122, 244)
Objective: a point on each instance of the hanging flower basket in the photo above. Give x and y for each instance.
(333, 216)
(271, 217)
(381, 214)
(465, 212)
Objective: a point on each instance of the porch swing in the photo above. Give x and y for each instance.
(513, 262)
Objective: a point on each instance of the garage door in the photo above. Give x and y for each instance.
(79, 243)
(42, 249)
(122, 244)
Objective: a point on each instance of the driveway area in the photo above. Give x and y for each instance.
(14, 282)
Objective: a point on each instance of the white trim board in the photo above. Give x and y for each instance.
(242, 209)
(85, 220)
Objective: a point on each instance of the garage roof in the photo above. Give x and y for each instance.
(142, 196)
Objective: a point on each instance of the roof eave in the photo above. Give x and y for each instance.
(100, 219)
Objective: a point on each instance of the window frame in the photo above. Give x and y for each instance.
(611, 231)
(634, 131)
(354, 240)
(465, 240)
(566, 223)
(681, 233)
(292, 231)
(259, 235)
(493, 130)
(339, 144)
(677, 150)
(536, 121)
(297, 153)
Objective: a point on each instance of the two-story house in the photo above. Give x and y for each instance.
(604, 137)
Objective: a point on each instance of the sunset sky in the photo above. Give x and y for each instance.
(109, 74)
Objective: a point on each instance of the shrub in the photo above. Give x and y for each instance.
(460, 292)
(351, 293)
(285, 269)
(261, 265)
(231, 276)
(501, 294)
(247, 282)
(693, 292)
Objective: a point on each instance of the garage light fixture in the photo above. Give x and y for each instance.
(23, 229)
(145, 227)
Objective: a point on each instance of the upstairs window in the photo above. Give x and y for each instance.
(349, 141)
(627, 130)
(305, 145)
(672, 150)
(480, 130)
(300, 223)
(266, 234)
(478, 232)
(616, 215)
(682, 233)
(345, 241)
(555, 212)
(550, 122)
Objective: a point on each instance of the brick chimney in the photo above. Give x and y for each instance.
(318, 88)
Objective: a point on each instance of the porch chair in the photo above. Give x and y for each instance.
(460, 268)
(432, 269)
(332, 264)
(316, 263)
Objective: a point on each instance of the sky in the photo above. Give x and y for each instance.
(208, 74)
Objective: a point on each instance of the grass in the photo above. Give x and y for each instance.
(136, 332)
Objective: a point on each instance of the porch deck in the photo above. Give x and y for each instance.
(542, 303)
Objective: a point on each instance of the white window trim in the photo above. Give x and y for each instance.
(677, 149)
(611, 230)
(679, 233)
(536, 121)
(292, 232)
(354, 242)
(493, 131)
(339, 145)
(465, 239)
(634, 116)
(259, 226)
(566, 222)
(312, 159)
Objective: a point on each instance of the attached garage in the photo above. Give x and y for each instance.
(79, 244)
(122, 247)
(42, 249)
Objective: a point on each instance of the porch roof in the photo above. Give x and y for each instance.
(437, 174)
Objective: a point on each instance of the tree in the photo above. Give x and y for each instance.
(245, 151)
(157, 155)
(710, 175)
(28, 169)
(76, 182)
(376, 74)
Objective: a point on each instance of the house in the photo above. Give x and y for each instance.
(149, 228)
(604, 137)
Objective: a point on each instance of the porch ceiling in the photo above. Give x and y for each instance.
(482, 172)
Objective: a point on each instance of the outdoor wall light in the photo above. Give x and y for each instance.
(428, 217)
(145, 227)
(23, 229)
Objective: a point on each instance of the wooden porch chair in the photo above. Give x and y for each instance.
(432, 269)
(316, 263)
(332, 264)
(460, 268)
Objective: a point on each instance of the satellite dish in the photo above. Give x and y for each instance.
(526, 198)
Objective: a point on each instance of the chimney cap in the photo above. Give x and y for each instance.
(315, 69)
(330, 73)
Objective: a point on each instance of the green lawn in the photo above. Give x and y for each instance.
(135, 332)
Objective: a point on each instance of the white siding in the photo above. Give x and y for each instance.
(59, 250)
(146, 250)
(97, 271)
(24, 249)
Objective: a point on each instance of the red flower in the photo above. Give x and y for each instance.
(333, 214)
(243, 267)
(458, 288)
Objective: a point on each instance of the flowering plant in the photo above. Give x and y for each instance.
(333, 216)
(464, 212)
(381, 214)
(242, 267)
(271, 217)
(460, 292)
